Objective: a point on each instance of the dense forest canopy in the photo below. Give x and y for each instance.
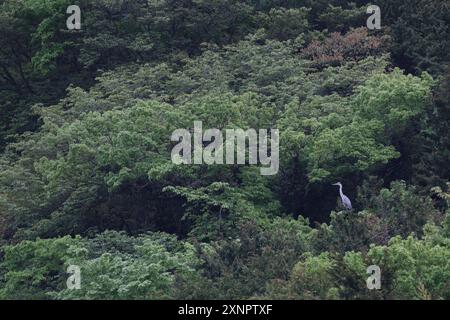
(86, 176)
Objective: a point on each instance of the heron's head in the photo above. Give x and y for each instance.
(337, 184)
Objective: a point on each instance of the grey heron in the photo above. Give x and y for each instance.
(345, 200)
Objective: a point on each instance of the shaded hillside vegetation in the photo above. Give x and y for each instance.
(86, 176)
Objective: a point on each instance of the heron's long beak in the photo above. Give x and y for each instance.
(334, 184)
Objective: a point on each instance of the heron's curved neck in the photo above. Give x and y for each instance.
(340, 190)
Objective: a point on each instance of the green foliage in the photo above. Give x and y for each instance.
(148, 271)
(393, 99)
(113, 266)
(403, 210)
(417, 269)
(339, 18)
(312, 277)
(284, 24)
(86, 176)
(419, 29)
(398, 210)
(410, 269)
(33, 270)
(355, 135)
(260, 253)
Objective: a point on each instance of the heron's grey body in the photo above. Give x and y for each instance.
(345, 200)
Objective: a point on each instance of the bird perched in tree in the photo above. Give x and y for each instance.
(345, 200)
